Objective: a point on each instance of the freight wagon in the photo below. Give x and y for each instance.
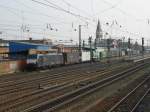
(71, 58)
(52, 59)
(85, 56)
(45, 60)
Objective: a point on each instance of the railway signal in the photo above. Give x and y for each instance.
(108, 48)
(83, 43)
(142, 46)
(108, 44)
(91, 53)
(129, 43)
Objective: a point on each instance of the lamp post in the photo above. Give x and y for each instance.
(108, 49)
(83, 44)
(123, 43)
(143, 46)
(119, 45)
(91, 53)
(129, 46)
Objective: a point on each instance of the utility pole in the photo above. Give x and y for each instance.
(83, 43)
(129, 43)
(80, 43)
(147, 44)
(108, 48)
(95, 44)
(91, 53)
(123, 43)
(119, 45)
(136, 47)
(143, 46)
(129, 46)
(80, 52)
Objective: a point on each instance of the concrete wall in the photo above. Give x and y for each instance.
(12, 66)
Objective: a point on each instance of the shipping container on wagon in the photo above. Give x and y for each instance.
(44, 60)
(85, 56)
(49, 60)
(71, 58)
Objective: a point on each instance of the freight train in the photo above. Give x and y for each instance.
(56, 59)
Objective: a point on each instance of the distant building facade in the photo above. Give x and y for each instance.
(4, 49)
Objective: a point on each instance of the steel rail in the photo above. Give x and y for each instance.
(142, 98)
(61, 87)
(32, 81)
(129, 94)
(43, 79)
(74, 95)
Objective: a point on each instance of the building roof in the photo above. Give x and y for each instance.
(29, 43)
(24, 46)
(36, 41)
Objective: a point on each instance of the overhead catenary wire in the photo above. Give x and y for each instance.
(118, 29)
(36, 26)
(9, 10)
(21, 18)
(55, 17)
(63, 10)
(35, 13)
(112, 6)
(18, 29)
(74, 7)
(39, 13)
(55, 5)
(68, 11)
(120, 10)
(52, 5)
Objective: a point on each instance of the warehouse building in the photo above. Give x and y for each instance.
(23, 49)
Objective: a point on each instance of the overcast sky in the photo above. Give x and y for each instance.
(132, 15)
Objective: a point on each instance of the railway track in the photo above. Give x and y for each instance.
(143, 103)
(22, 75)
(26, 75)
(34, 96)
(37, 74)
(49, 80)
(127, 104)
(6, 86)
(6, 79)
(69, 97)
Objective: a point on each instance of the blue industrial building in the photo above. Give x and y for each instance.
(20, 49)
(24, 46)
